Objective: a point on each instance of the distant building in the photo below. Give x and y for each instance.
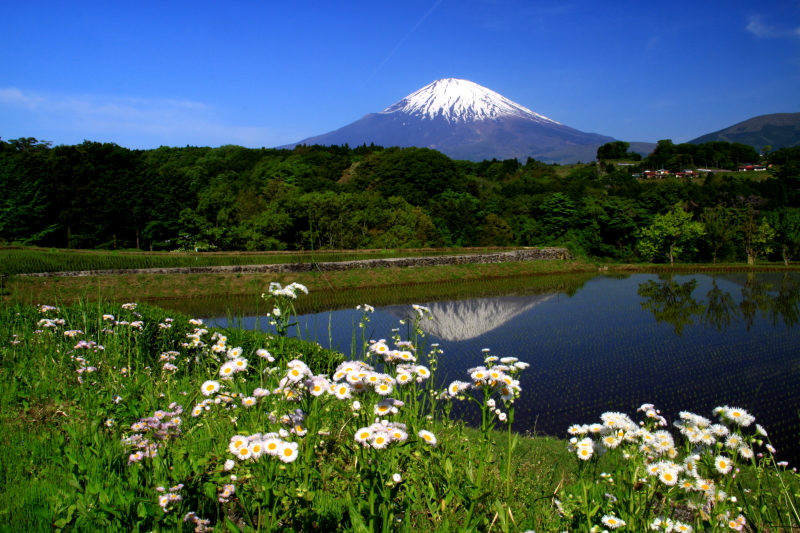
(687, 173)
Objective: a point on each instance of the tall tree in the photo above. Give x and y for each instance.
(756, 235)
(787, 232)
(720, 228)
(670, 234)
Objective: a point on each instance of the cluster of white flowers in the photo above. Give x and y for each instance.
(255, 446)
(167, 358)
(380, 434)
(170, 497)
(422, 311)
(690, 476)
(88, 345)
(225, 493)
(196, 338)
(201, 525)
(51, 323)
(264, 354)
(668, 525)
(290, 291)
(734, 415)
(493, 377)
(393, 356)
(701, 431)
(136, 324)
(354, 377)
(151, 431)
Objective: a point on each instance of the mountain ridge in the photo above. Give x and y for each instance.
(464, 120)
(778, 130)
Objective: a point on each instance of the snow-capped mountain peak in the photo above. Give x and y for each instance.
(461, 101)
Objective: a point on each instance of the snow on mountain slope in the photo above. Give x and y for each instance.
(466, 121)
(461, 101)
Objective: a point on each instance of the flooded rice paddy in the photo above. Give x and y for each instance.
(600, 343)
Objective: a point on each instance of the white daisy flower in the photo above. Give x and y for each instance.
(398, 434)
(722, 464)
(380, 440)
(739, 416)
(384, 388)
(237, 441)
(612, 521)
(363, 435)
(227, 370)
(745, 451)
(427, 436)
(669, 476)
(272, 446)
(681, 527)
(243, 452)
(288, 452)
(257, 448)
(209, 387)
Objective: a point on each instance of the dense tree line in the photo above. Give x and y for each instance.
(95, 195)
(715, 154)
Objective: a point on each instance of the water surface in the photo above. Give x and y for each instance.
(682, 342)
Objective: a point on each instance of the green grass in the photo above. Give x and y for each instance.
(14, 260)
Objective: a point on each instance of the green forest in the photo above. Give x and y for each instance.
(104, 196)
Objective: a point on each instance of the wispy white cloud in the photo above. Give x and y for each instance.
(162, 120)
(759, 28)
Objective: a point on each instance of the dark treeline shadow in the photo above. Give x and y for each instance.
(673, 302)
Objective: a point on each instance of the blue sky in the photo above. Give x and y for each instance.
(144, 74)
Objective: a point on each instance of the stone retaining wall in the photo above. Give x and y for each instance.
(405, 262)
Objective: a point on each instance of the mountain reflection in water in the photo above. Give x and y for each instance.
(467, 319)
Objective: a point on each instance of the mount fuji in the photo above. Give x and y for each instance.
(467, 121)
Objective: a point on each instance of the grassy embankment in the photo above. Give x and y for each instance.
(339, 287)
(167, 286)
(22, 260)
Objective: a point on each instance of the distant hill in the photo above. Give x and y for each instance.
(779, 130)
(467, 121)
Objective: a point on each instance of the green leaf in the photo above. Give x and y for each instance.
(232, 526)
(41, 512)
(356, 520)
